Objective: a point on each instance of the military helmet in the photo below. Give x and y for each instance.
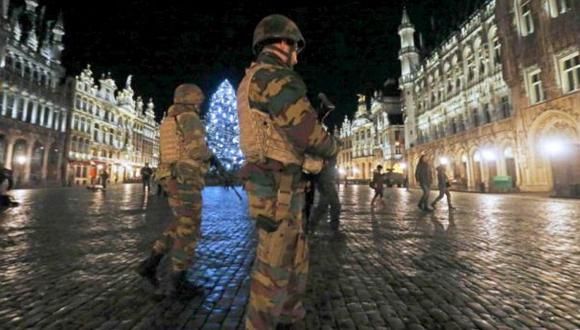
(276, 27)
(188, 94)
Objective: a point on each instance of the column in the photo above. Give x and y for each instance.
(4, 103)
(15, 106)
(45, 161)
(50, 114)
(9, 152)
(34, 112)
(27, 166)
(63, 121)
(41, 120)
(55, 125)
(25, 110)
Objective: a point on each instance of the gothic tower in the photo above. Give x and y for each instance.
(409, 57)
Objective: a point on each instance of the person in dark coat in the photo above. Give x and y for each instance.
(378, 185)
(443, 185)
(424, 178)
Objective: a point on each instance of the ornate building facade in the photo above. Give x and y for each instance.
(110, 130)
(374, 137)
(541, 65)
(34, 105)
(482, 98)
(457, 106)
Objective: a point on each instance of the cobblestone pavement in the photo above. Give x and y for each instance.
(498, 261)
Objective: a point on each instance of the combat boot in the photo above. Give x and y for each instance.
(148, 268)
(178, 287)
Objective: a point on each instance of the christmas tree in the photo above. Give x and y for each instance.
(223, 129)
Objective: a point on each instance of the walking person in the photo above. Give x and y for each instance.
(424, 178)
(184, 162)
(443, 185)
(146, 173)
(104, 178)
(378, 185)
(6, 184)
(278, 126)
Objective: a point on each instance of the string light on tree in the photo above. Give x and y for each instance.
(223, 129)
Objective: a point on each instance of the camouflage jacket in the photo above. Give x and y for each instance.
(279, 91)
(197, 153)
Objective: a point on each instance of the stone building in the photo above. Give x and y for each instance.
(457, 106)
(541, 65)
(374, 137)
(33, 101)
(499, 98)
(110, 130)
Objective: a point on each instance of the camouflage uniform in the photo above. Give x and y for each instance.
(280, 270)
(182, 179)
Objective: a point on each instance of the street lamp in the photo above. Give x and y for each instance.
(443, 161)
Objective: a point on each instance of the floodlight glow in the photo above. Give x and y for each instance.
(488, 155)
(341, 171)
(553, 147)
(21, 160)
(443, 161)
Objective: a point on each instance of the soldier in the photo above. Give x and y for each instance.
(184, 161)
(278, 127)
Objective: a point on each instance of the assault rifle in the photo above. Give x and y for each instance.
(325, 108)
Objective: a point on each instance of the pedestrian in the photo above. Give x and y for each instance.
(104, 178)
(277, 125)
(424, 177)
(6, 184)
(184, 162)
(443, 185)
(378, 185)
(328, 197)
(146, 173)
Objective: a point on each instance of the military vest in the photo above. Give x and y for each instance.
(171, 142)
(260, 138)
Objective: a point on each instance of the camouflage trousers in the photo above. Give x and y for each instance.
(278, 280)
(180, 238)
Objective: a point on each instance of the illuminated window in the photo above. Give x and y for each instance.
(525, 19)
(535, 90)
(570, 72)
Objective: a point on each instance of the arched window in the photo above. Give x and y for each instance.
(495, 54)
(469, 64)
(74, 144)
(9, 62)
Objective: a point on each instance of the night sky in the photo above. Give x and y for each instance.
(351, 46)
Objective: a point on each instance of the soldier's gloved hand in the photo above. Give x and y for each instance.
(267, 224)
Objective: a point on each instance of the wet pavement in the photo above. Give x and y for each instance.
(497, 262)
